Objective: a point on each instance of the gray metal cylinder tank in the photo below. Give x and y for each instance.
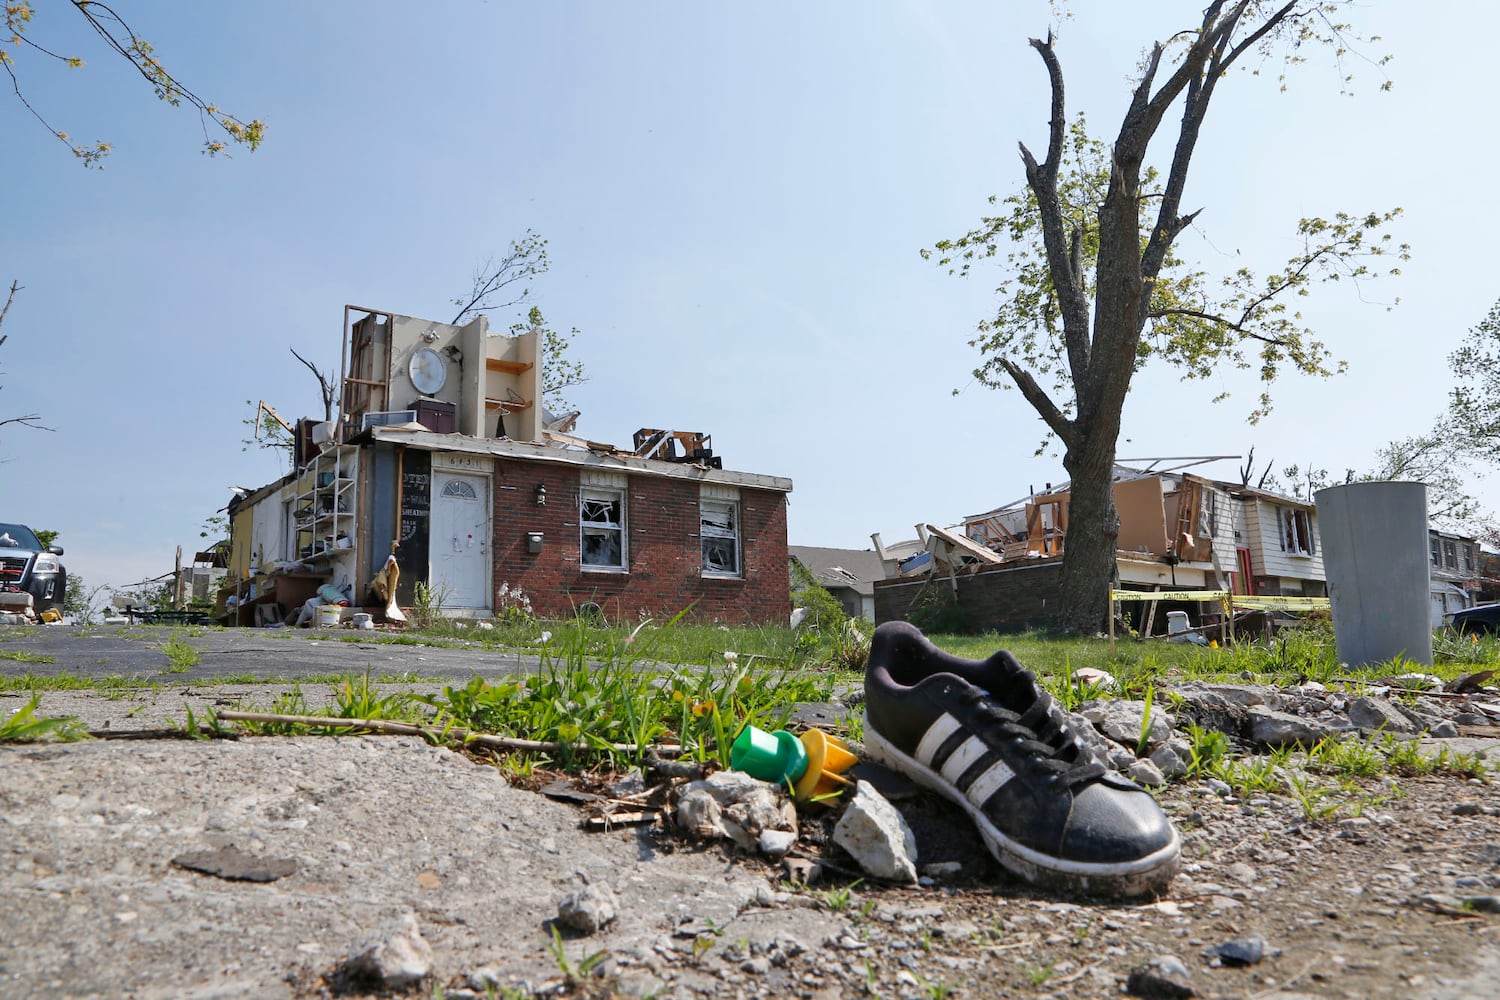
(1375, 556)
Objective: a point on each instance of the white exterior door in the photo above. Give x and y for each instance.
(460, 540)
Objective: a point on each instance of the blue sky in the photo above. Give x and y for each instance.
(735, 196)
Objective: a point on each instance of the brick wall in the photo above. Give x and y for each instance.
(664, 553)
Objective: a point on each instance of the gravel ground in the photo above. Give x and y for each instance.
(386, 832)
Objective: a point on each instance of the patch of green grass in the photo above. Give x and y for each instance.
(1322, 803)
(356, 698)
(1354, 757)
(1464, 650)
(21, 656)
(1038, 974)
(291, 702)
(1265, 773)
(836, 900)
(612, 693)
(936, 989)
(207, 728)
(23, 726)
(69, 682)
(1207, 749)
(1406, 757)
(182, 653)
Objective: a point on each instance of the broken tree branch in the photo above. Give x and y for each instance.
(325, 384)
(15, 286)
(1067, 279)
(1054, 418)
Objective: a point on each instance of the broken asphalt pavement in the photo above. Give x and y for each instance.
(259, 867)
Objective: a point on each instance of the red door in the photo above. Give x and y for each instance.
(1246, 582)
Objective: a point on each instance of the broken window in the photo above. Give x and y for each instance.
(601, 525)
(720, 530)
(1208, 512)
(1296, 532)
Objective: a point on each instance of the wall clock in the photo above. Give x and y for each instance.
(428, 371)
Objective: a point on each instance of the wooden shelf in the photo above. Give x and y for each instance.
(508, 405)
(511, 367)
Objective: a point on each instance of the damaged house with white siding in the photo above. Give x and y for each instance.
(1178, 531)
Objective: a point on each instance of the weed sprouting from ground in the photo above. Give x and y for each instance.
(573, 971)
(356, 698)
(205, 727)
(21, 656)
(592, 698)
(183, 655)
(23, 726)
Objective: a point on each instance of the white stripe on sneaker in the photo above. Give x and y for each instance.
(961, 759)
(943, 727)
(989, 783)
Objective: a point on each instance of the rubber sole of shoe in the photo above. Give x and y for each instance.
(1146, 876)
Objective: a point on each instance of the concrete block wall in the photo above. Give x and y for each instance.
(1004, 599)
(664, 553)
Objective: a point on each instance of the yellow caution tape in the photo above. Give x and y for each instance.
(1282, 603)
(1255, 603)
(1169, 595)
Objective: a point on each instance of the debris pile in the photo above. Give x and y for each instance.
(864, 835)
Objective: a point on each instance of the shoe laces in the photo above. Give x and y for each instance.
(1041, 737)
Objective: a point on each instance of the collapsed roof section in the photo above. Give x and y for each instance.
(451, 379)
(405, 372)
(1167, 516)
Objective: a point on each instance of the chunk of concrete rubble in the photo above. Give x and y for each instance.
(588, 909)
(699, 814)
(1091, 737)
(1378, 715)
(1146, 774)
(877, 836)
(1103, 680)
(1239, 952)
(732, 805)
(1171, 758)
(236, 865)
(775, 843)
(1122, 721)
(728, 786)
(801, 871)
(399, 960)
(1165, 978)
(1243, 695)
(1267, 727)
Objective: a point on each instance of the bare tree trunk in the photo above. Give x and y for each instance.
(1089, 565)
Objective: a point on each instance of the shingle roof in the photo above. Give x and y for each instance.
(853, 569)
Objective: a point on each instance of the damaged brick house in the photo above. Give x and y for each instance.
(1178, 531)
(442, 448)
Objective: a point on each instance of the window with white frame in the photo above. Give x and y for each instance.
(1437, 556)
(1208, 513)
(601, 528)
(719, 528)
(1296, 532)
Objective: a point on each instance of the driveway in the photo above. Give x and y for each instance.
(136, 652)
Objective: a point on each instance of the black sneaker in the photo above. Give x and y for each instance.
(986, 736)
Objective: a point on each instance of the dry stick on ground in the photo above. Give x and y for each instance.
(411, 729)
